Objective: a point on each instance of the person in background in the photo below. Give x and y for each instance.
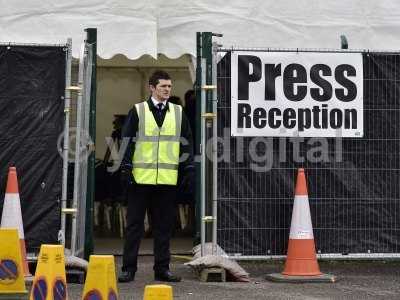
(108, 189)
(183, 218)
(190, 109)
(175, 100)
(159, 135)
(189, 198)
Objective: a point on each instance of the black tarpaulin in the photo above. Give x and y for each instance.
(354, 200)
(32, 86)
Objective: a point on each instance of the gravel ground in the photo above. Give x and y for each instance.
(356, 280)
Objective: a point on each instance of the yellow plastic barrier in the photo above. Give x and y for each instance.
(101, 280)
(158, 292)
(50, 282)
(11, 268)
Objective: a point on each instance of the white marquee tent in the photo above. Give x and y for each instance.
(129, 30)
(134, 28)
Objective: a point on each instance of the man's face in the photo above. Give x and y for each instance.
(162, 90)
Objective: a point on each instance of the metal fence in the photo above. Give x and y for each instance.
(82, 149)
(354, 197)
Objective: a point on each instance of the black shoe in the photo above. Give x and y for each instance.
(167, 276)
(126, 276)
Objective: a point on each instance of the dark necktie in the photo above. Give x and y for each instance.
(159, 109)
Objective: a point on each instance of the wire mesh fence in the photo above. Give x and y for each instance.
(353, 190)
(82, 148)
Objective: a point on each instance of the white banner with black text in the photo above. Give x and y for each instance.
(303, 94)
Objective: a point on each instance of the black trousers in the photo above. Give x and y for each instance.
(161, 204)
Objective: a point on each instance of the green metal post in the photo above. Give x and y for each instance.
(343, 42)
(204, 51)
(91, 38)
(207, 55)
(197, 89)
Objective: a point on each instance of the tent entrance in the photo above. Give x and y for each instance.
(121, 83)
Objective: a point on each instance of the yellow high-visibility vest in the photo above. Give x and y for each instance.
(156, 156)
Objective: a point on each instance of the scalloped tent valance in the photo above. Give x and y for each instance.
(135, 28)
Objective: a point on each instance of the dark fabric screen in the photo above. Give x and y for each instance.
(32, 86)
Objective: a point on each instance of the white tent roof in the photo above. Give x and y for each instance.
(137, 27)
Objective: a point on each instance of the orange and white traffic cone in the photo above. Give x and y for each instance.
(301, 261)
(12, 216)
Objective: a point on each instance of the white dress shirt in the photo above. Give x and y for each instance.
(155, 102)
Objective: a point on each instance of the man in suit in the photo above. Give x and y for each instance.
(158, 157)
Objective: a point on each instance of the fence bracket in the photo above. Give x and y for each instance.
(209, 115)
(73, 88)
(69, 211)
(208, 219)
(209, 87)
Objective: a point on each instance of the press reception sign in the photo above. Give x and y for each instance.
(296, 94)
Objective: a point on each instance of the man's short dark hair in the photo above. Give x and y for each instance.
(156, 76)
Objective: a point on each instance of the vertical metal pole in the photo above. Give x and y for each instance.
(209, 142)
(208, 133)
(92, 40)
(203, 163)
(197, 140)
(215, 145)
(77, 173)
(86, 139)
(67, 108)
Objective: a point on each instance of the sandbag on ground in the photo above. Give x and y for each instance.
(217, 259)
